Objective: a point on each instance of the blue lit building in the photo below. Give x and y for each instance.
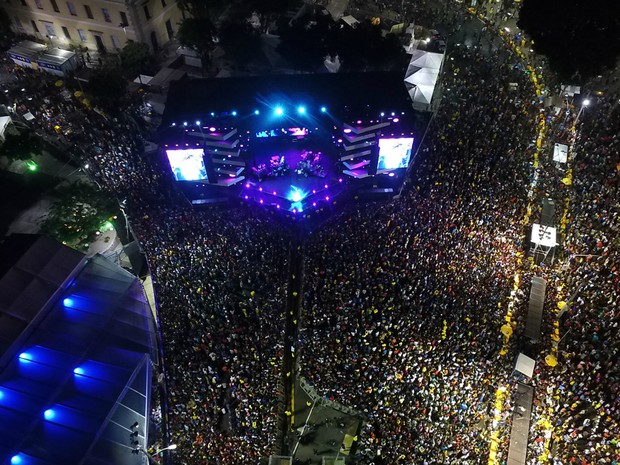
(77, 355)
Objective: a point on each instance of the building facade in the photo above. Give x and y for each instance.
(99, 25)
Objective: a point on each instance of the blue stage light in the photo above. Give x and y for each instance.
(212, 113)
(323, 109)
(279, 111)
(49, 414)
(234, 113)
(68, 302)
(16, 460)
(256, 112)
(197, 123)
(1, 394)
(174, 124)
(301, 109)
(78, 371)
(382, 114)
(25, 357)
(296, 195)
(184, 123)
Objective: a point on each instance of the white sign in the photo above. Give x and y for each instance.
(544, 235)
(560, 153)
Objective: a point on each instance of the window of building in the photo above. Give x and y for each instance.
(82, 35)
(49, 28)
(169, 30)
(55, 6)
(71, 8)
(106, 15)
(163, 3)
(124, 19)
(115, 42)
(146, 12)
(89, 13)
(34, 26)
(65, 31)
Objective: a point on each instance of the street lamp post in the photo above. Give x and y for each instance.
(150, 457)
(584, 104)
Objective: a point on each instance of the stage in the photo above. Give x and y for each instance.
(294, 173)
(292, 143)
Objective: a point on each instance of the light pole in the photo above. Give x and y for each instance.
(586, 102)
(150, 457)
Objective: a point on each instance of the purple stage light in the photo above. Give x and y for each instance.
(260, 189)
(274, 193)
(392, 175)
(396, 120)
(313, 191)
(359, 121)
(339, 179)
(278, 206)
(327, 198)
(261, 201)
(314, 204)
(325, 186)
(294, 210)
(212, 129)
(247, 185)
(340, 141)
(246, 197)
(346, 131)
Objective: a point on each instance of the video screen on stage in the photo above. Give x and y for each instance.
(394, 153)
(188, 164)
(293, 132)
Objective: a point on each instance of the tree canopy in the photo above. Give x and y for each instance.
(136, 58)
(78, 211)
(578, 37)
(362, 48)
(239, 39)
(108, 86)
(21, 146)
(198, 34)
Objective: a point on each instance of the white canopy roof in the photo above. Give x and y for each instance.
(525, 365)
(4, 122)
(422, 74)
(422, 85)
(422, 59)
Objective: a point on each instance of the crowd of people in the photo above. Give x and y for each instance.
(402, 301)
(578, 400)
(220, 278)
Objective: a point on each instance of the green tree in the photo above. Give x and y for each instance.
(21, 146)
(579, 38)
(198, 34)
(77, 212)
(108, 86)
(240, 40)
(136, 58)
(305, 43)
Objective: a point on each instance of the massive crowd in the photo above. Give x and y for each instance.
(402, 302)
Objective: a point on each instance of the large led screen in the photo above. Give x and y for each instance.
(187, 165)
(394, 153)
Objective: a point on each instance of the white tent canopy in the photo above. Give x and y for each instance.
(525, 365)
(422, 85)
(422, 59)
(421, 76)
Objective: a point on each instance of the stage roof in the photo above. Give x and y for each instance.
(345, 95)
(75, 374)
